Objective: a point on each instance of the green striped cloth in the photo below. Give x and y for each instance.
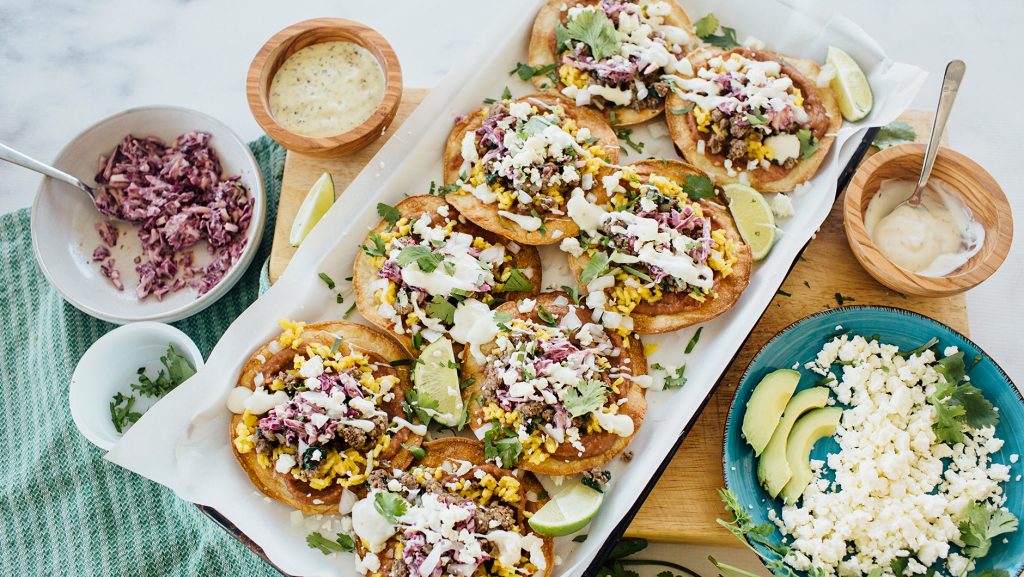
(63, 509)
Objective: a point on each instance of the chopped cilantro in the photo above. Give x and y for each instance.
(502, 445)
(377, 248)
(931, 343)
(516, 282)
(596, 267)
(545, 315)
(693, 340)
(121, 413)
(526, 72)
(841, 298)
(706, 26)
(626, 135)
(684, 110)
(573, 292)
(674, 379)
(327, 280)
(502, 318)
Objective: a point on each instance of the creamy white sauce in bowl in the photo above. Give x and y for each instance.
(934, 239)
(326, 89)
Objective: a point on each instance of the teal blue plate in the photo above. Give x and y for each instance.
(801, 341)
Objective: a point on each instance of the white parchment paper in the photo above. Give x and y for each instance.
(183, 441)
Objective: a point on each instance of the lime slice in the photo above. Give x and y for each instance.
(753, 217)
(850, 85)
(567, 512)
(314, 206)
(436, 379)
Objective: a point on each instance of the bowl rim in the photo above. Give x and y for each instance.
(869, 256)
(77, 396)
(233, 275)
(782, 333)
(370, 129)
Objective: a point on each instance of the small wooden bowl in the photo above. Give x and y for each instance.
(976, 187)
(298, 36)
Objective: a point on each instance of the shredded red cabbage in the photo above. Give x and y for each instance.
(178, 197)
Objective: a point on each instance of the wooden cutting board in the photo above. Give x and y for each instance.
(684, 504)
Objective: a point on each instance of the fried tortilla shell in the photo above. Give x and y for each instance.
(354, 337)
(457, 449)
(601, 447)
(365, 271)
(543, 42)
(675, 310)
(819, 102)
(485, 215)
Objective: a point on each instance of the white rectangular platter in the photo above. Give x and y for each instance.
(182, 442)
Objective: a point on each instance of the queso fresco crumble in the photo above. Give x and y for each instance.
(914, 475)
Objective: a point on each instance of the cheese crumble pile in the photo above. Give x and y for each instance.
(900, 495)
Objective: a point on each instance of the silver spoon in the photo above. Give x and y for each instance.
(13, 156)
(950, 85)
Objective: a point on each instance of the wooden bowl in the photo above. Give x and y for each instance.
(298, 36)
(976, 187)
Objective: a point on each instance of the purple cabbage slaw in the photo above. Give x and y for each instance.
(178, 197)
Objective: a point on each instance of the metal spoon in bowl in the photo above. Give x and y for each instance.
(13, 156)
(950, 85)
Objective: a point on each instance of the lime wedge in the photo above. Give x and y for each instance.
(567, 512)
(436, 379)
(314, 206)
(850, 85)
(753, 217)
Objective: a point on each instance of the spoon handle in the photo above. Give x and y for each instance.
(950, 85)
(13, 156)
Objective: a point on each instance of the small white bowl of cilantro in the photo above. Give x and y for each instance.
(124, 373)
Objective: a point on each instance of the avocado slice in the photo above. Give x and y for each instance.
(765, 407)
(773, 468)
(808, 430)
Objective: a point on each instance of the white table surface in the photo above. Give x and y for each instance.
(65, 64)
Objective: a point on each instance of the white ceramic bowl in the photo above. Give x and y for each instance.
(111, 365)
(64, 218)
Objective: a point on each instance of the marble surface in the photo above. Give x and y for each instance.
(65, 64)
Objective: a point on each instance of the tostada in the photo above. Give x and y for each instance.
(655, 252)
(557, 392)
(452, 514)
(425, 259)
(317, 409)
(753, 116)
(611, 54)
(513, 164)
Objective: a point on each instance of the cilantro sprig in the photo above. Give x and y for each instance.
(958, 404)
(341, 544)
(706, 27)
(390, 506)
(389, 213)
(176, 370)
(981, 524)
(698, 187)
(426, 259)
